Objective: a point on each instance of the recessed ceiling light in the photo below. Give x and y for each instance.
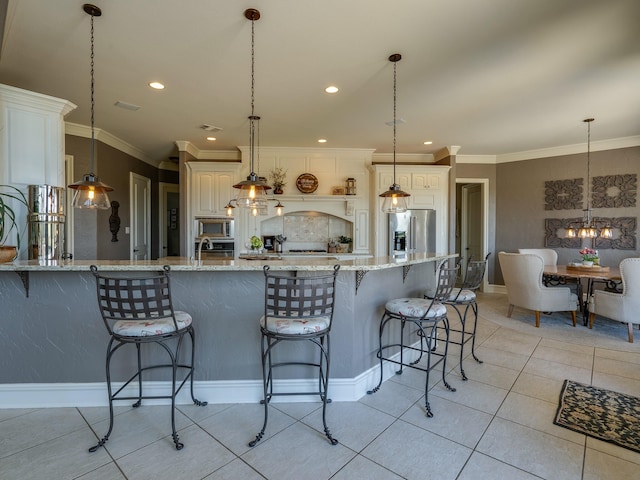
(428, 143)
(212, 139)
(156, 85)
(331, 89)
(322, 140)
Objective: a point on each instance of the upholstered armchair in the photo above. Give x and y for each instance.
(625, 306)
(522, 273)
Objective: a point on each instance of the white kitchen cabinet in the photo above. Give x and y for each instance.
(211, 187)
(362, 232)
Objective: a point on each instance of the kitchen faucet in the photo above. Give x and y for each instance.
(202, 240)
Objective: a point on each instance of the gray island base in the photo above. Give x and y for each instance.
(53, 342)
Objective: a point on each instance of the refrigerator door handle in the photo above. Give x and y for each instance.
(412, 234)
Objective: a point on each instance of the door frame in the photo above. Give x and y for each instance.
(484, 237)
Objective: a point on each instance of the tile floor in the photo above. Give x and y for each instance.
(497, 425)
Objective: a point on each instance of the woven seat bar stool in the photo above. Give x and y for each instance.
(465, 297)
(297, 307)
(427, 315)
(138, 311)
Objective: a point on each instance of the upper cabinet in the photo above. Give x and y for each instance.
(211, 186)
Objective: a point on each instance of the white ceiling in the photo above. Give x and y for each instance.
(492, 76)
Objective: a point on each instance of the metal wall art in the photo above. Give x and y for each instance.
(614, 191)
(563, 194)
(625, 240)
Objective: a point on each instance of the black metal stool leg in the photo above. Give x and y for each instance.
(197, 402)
(383, 322)
(474, 307)
(324, 352)
(266, 381)
(104, 439)
(445, 321)
(139, 402)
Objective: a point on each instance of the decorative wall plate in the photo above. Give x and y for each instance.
(307, 183)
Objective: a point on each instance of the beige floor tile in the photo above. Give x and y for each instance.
(559, 371)
(502, 358)
(567, 346)
(544, 388)
(512, 341)
(414, 453)
(297, 410)
(200, 457)
(142, 426)
(106, 472)
(617, 367)
(598, 465)
(480, 396)
(38, 427)
(392, 398)
(620, 355)
(532, 451)
(495, 375)
(198, 413)
(363, 468)
(298, 452)
(65, 456)
(238, 425)
(7, 413)
(234, 471)
(613, 450)
(354, 424)
(537, 414)
(451, 420)
(479, 466)
(564, 356)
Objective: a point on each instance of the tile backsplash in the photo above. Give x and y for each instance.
(307, 230)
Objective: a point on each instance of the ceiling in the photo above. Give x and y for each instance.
(493, 76)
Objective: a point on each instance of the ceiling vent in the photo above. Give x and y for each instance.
(210, 128)
(127, 106)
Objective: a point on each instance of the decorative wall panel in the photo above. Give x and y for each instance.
(625, 228)
(614, 191)
(563, 194)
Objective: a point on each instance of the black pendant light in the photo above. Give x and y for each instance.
(253, 191)
(394, 198)
(90, 192)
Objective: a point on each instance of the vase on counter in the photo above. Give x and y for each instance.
(587, 263)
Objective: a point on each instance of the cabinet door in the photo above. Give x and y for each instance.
(361, 237)
(212, 191)
(386, 180)
(426, 181)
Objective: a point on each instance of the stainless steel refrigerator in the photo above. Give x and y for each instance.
(413, 231)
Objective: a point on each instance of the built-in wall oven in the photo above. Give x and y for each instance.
(214, 247)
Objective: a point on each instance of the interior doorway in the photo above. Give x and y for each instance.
(472, 197)
(140, 195)
(169, 221)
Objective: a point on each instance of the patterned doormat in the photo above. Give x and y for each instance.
(608, 416)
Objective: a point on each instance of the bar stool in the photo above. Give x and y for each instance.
(138, 311)
(465, 296)
(428, 315)
(297, 308)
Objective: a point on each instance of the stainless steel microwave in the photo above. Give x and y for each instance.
(220, 227)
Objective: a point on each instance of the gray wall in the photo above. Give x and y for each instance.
(520, 206)
(92, 234)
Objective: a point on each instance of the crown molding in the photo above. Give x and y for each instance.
(610, 144)
(84, 131)
(403, 158)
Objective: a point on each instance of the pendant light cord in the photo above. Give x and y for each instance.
(91, 153)
(589, 165)
(394, 122)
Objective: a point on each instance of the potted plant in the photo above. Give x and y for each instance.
(277, 177)
(8, 221)
(344, 244)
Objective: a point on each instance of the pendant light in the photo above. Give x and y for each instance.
(589, 228)
(394, 198)
(253, 191)
(90, 192)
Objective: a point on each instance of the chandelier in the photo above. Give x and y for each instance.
(590, 227)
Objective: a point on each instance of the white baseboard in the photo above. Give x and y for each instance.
(49, 395)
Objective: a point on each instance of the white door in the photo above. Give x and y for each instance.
(140, 195)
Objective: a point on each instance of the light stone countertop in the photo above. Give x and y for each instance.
(301, 263)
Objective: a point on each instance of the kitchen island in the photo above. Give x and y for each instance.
(53, 341)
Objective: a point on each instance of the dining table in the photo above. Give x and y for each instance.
(610, 276)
